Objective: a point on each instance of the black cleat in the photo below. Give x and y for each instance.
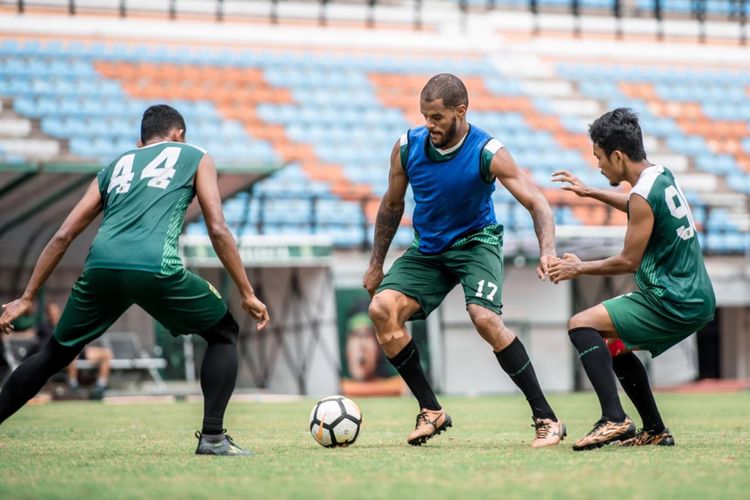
(647, 438)
(224, 447)
(606, 432)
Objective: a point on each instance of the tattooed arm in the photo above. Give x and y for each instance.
(523, 189)
(386, 224)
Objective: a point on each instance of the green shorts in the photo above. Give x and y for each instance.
(428, 278)
(183, 302)
(642, 325)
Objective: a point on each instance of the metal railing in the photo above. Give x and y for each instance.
(596, 229)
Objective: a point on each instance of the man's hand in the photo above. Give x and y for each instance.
(257, 310)
(574, 184)
(11, 311)
(372, 279)
(542, 269)
(565, 268)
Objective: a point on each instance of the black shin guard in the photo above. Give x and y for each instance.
(408, 366)
(218, 372)
(596, 360)
(516, 363)
(31, 375)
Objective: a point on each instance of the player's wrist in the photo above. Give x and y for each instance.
(375, 265)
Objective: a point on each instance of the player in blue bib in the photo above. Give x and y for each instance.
(452, 167)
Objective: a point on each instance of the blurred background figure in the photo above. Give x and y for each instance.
(363, 355)
(367, 372)
(98, 355)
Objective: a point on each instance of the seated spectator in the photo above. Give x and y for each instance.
(98, 355)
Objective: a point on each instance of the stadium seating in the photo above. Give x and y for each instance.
(332, 119)
(676, 8)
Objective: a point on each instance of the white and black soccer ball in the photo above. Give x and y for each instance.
(335, 421)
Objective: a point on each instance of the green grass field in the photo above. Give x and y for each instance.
(84, 450)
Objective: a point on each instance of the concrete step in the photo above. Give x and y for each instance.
(576, 107)
(548, 88)
(725, 199)
(674, 162)
(14, 127)
(39, 149)
(699, 183)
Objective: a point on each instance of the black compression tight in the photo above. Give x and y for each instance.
(218, 372)
(31, 375)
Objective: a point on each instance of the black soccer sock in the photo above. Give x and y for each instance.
(408, 366)
(516, 363)
(596, 360)
(634, 380)
(218, 372)
(31, 375)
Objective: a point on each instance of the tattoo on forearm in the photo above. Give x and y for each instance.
(386, 225)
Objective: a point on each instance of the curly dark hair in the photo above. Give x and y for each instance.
(158, 120)
(447, 87)
(618, 130)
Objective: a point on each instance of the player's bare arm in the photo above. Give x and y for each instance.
(640, 225)
(207, 190)
(387, 221)
(522, 188)
(79, 218)
(614, 199)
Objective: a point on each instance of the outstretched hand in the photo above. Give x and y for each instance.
(574, 183)
(565, 268)
(257, 309)
(12, 311)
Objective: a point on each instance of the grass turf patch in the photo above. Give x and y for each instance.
(82, 449)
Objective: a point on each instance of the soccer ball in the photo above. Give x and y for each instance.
(335, 421)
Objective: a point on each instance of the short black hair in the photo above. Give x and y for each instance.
(618, 130)
(447, 87)
(158, 120)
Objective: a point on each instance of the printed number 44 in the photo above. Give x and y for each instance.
(160, 171)
(490, 285)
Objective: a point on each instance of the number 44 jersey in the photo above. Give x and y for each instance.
(145, 193)
(672, 272)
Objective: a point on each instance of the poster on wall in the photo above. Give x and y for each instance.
(365, 370)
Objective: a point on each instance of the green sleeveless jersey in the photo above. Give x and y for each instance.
(145, 193)
(672, 272)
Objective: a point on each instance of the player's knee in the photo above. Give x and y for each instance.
(578, 321)
(485, 320)
(226, 331)
(381, 310)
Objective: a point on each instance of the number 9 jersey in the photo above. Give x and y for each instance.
(672, 272)
(145, 193)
